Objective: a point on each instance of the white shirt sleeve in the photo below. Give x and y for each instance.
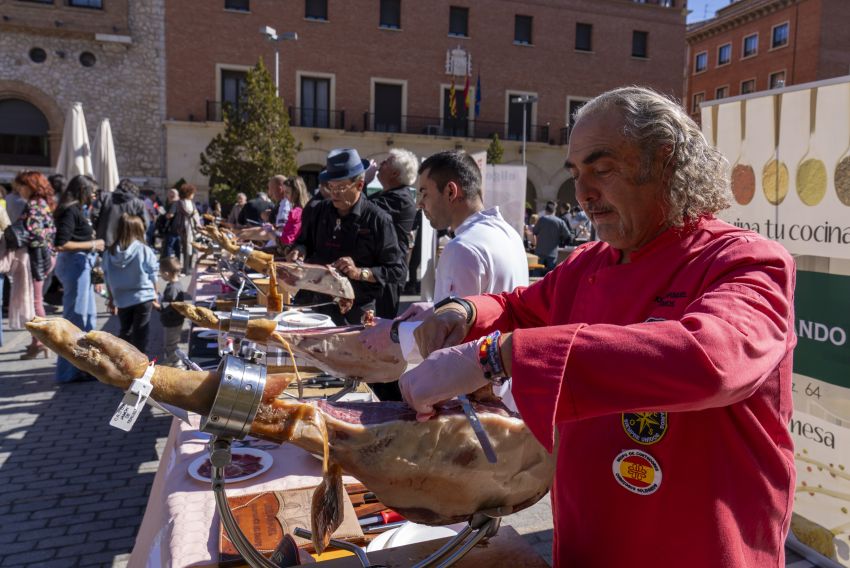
(461, 272)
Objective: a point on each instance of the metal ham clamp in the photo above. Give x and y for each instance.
(234, 408)
(234, 340)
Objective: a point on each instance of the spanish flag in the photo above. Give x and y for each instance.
(467, 102)
(452, 100)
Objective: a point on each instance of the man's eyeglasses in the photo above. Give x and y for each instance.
(340, 186)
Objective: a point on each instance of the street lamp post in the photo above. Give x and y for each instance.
(524, 100)
(272, 35)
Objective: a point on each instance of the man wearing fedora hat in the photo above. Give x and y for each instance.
(353, 235)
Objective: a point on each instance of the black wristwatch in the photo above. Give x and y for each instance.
(394, 331)
(467, 306)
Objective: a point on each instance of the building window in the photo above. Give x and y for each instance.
(315, 102)
(390, 14)
(458, 21)
(751, 45)
(23, 134)
(388, 102)
(316, 9)
(584, 37)
(232, 86)
(239, 5)
(777, 80)
(515, 114)
(698, 99)
(700, 61)
(87, 59)
(724, 54)
(572, 109)
(748, 86)
(454, 125)
(640, 44)
(721, 92)
(97, 4)
(38, 55)
(779, 36)
(522, 30)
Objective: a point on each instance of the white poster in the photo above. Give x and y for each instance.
(790, 156)
(506, 188)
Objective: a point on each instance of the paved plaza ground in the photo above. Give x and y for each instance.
(73, 489)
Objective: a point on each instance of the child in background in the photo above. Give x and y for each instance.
(171, 319)
(130, 268)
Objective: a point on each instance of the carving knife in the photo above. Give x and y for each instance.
(478, 429)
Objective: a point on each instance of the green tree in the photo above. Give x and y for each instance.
(495, 151)
(256, 143)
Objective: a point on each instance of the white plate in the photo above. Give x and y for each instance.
(265, 463)
(409, 533)
(256, 275)
(206, 334)
(303, 320)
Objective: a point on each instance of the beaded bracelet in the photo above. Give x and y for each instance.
(490, 358)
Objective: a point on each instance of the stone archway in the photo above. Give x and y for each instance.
(567, 192)
(44, 103)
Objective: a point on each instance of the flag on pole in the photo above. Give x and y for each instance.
(478, 96)
(467, 102)
(452, 100)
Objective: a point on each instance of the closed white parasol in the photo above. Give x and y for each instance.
(103, 157)
(75, 153)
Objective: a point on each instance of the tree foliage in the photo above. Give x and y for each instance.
(256, 143)
(495, 151)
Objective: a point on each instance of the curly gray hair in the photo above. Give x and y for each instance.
(699, 173)
(406, 164)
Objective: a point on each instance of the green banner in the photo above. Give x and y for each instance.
(822, 310)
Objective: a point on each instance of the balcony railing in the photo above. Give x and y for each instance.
(312, 118)
(459, 127)
(316, 118)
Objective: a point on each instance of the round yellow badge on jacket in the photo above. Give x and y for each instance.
(637, 471)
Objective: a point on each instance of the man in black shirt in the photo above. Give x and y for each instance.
(397, 173)
(250, 214)
(353, 235)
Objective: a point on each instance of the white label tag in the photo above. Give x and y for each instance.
(133, 402)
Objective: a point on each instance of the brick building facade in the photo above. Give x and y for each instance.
(107, 54)
(755, 45)
(376, 73)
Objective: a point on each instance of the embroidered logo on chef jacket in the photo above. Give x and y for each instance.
(645, 427)
(637, 471)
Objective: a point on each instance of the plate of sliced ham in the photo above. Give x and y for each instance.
(245, 464)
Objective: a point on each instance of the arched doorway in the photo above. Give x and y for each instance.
(310, 173)
(567, 193)
(24, 139)
(530, 195)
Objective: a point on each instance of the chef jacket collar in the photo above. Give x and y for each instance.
(666, 238)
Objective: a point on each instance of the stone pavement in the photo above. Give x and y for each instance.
(73, 489)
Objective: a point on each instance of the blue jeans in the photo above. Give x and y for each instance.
(2, 280)
(172, 246)
(78, 304)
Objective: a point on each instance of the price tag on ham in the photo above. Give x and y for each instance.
(133, 402)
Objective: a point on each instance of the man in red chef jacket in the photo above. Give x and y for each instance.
(657, 360)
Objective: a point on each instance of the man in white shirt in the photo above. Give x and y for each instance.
(486, 254)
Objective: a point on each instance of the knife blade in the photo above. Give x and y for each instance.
(489, 452)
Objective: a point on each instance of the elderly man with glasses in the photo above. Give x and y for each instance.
(353, 235)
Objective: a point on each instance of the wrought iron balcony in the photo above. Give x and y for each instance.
(458, 127)
(316, 118)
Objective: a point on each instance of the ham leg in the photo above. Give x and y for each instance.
(336, 350)
(431, 472)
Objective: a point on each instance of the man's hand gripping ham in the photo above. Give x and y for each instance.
(449, 369)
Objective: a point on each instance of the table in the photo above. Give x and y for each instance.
(181, 524)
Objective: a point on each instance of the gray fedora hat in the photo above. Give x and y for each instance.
(343, 163)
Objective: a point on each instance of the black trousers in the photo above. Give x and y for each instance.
(135, 324)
